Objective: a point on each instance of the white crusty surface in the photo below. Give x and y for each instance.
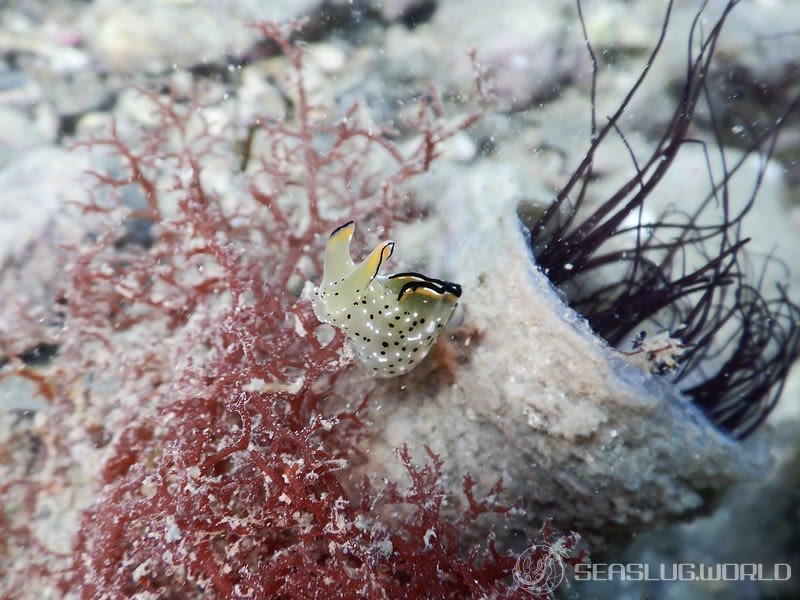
(573, 428)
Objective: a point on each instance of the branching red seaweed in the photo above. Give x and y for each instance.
(193, 362)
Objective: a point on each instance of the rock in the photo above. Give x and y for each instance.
(528, 50)
(394, 10)
(141, 35)
(35, 218)
(18, 133)
(524, 391)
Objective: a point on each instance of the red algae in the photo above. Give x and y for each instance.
(190, 375)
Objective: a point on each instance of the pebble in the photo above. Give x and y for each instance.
(18, 134)
(527, 49)
(156, 35)
(393, 10)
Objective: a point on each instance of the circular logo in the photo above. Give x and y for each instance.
(540, 569)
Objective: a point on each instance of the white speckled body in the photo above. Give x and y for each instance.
(391, 320)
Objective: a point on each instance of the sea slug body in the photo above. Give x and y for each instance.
(392, 321)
